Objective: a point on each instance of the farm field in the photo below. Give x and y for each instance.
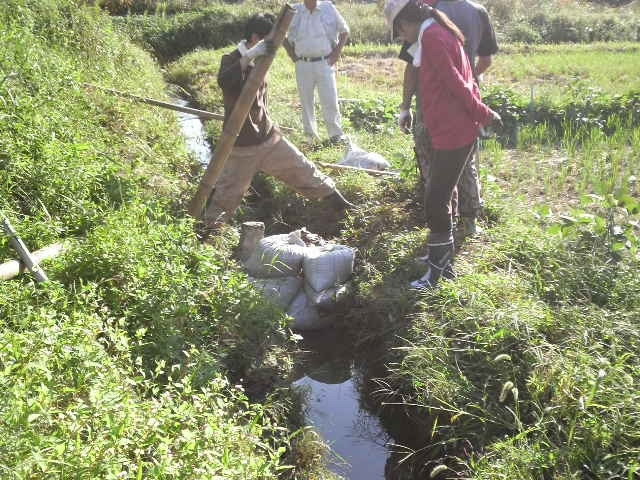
(517, 356)
(150, 355)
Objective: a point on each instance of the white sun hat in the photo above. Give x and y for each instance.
(392, 9)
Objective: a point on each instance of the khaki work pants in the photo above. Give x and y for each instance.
(277, 157)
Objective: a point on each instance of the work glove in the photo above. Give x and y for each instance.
(405, 120)
(263, 47)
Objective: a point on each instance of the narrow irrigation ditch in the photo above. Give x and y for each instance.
(335, 379)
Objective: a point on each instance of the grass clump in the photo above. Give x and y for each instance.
(147, 355)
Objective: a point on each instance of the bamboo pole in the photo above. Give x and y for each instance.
(150, 101)
(16, 242)
(239, 114)
(170, 106)
(13, 268)
(370, 171)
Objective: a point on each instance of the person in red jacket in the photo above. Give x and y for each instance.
(453, 112)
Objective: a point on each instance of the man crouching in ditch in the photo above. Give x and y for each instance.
(260, 146)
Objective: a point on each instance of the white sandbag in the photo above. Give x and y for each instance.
(275, 256)
(305, 315)
(279, 291)
(357, 157)
(328, 266)
(326, 299)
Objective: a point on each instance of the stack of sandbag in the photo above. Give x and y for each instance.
(357, 157)
(302, 274)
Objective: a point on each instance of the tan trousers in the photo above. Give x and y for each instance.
(277, 157)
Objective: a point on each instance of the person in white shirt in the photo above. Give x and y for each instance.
(314, 42)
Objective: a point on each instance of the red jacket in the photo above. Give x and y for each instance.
(451, 105)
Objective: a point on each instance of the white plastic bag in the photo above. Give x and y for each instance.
(306, 315)
(328, 266)
(279, 291)
(275, 256)
(357, 157)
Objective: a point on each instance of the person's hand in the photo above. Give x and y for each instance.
(263, 47)
(333, 57)
(405, 120)
(496, 120)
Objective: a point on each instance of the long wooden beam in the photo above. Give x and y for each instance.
(238, 115)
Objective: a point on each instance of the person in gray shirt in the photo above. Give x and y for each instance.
(473, 20)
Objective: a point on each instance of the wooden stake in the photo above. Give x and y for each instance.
(370, 171)
(13, 268)
(238, 115)
(16, 242)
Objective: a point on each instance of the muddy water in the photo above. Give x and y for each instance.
(326, 370)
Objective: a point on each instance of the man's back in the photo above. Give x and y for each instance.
(473, 20)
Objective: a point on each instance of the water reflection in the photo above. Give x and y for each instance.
(327, 372)
(193, 132)
(327, 369)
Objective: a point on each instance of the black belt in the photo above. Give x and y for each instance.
(313, 59)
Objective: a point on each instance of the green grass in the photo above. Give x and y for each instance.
(147, 355)
(125, 364)
(522, 361)
(556, 72)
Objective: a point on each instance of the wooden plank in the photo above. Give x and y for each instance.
(238, 115)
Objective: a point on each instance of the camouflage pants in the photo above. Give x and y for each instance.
(466, 200)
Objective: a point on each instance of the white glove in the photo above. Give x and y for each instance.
(258, 50)
(405, 120)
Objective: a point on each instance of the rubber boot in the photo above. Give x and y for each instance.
(448, 273)
(470, 228)
(440, 258)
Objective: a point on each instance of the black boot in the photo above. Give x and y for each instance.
(439, 262)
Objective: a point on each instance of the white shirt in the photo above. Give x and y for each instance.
(314, 33)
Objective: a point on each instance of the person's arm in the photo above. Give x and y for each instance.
(482, 64)
(342, 30)
(337, 50)
(409, 86)
(436, 53)
(231, 76)
(487, 47)
(290, 49)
